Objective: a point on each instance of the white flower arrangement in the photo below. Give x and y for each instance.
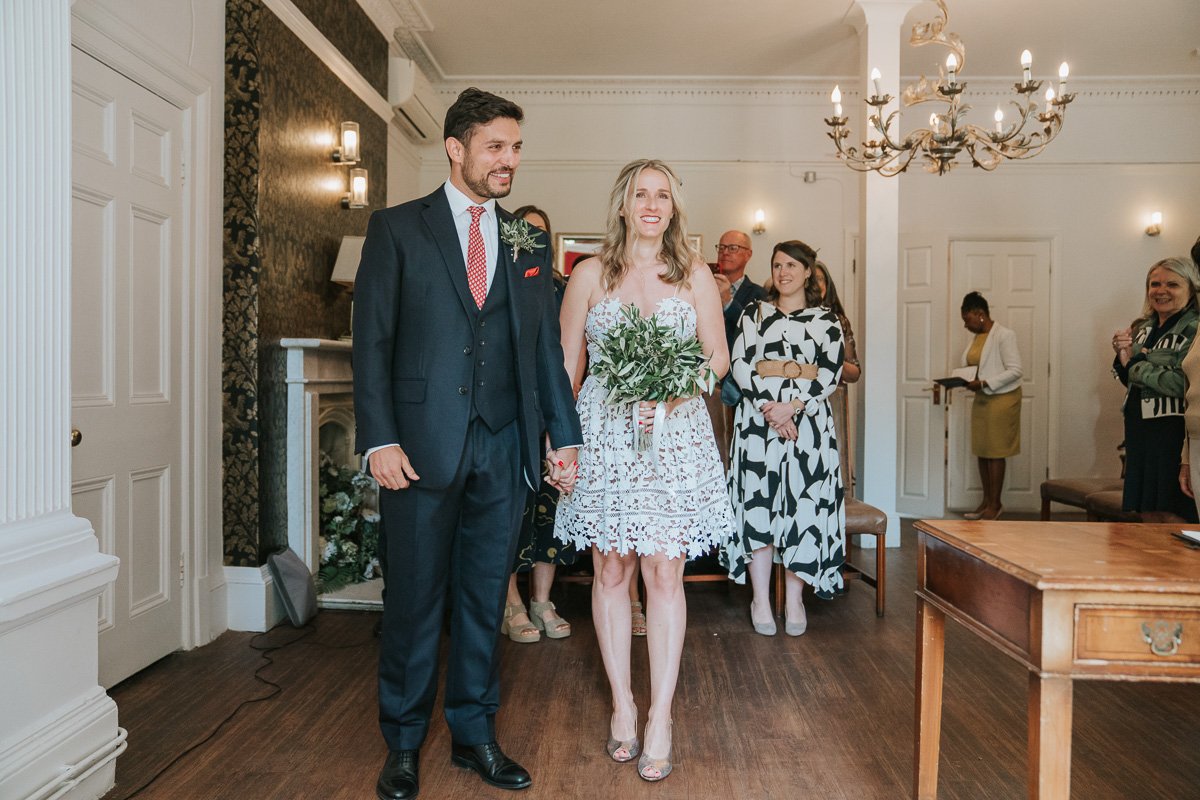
(349, 538)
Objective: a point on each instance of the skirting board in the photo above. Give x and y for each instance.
(254, 604)
(71, 756)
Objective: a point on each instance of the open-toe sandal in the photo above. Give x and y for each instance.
(525, 633)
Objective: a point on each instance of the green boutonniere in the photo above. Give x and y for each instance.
(521, 235)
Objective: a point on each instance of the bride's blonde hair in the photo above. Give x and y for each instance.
(676, 251)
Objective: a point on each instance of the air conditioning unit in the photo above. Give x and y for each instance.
(418, 111)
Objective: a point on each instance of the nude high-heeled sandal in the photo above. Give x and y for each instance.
(638, 619)
(555, 628)
(522, 634)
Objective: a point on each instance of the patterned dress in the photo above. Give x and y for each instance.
(788, 494)
(670, 499)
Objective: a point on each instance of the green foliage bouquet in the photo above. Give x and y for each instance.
(349, 533)
(642, 359)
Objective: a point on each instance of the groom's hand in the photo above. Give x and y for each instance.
(561, 467)
(391, 468)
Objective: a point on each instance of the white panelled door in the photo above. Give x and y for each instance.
(1014, 277)
(127, 333)
(922, 423)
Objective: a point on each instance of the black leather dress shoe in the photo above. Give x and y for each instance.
(398, 780)
(491, 764)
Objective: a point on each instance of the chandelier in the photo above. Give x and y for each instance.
(948, 133)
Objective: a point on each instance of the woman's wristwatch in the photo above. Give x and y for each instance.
(797, 406)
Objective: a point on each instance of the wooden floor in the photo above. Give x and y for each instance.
(828, 715)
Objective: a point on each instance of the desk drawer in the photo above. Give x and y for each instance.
(1139, 633)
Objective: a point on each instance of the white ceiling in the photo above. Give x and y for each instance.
(472, 39)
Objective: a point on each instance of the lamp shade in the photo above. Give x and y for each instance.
(346, 266)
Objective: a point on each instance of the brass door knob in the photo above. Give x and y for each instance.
(76, 437)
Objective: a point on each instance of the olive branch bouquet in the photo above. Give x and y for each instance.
(642, 359)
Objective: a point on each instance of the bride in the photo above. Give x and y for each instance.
(662, 505)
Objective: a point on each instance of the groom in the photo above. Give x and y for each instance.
(457, 371)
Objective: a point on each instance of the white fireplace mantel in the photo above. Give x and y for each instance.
(319, 391)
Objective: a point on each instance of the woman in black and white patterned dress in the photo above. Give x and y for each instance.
(784, 476)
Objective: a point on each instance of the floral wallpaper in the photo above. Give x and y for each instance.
(283, 225)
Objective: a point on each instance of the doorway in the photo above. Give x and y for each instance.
(937, 470)
(128, 340)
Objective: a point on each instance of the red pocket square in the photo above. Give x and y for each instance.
(532, 272)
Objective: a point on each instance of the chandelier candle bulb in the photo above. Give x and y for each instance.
(889, 152)
(836, 97)
(1063, 72)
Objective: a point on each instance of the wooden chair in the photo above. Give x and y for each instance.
(862, 519)
(1074, 491)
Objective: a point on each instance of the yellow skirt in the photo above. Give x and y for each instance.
(996, 424)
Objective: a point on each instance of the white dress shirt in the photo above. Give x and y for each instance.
(460, 206)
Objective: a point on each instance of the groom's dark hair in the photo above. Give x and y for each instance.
(477, 107)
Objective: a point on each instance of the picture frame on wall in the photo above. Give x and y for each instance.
(570, 248)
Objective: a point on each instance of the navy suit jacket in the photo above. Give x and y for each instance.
(746, 294)
(414, 331)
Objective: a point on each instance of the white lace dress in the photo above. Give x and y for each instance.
(671, 499)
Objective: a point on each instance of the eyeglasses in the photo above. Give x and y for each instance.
(730, 248)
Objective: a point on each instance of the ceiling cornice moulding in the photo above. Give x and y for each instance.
(649, 89)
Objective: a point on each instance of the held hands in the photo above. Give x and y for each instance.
(779, 417)
(561, 468)
(391, 468)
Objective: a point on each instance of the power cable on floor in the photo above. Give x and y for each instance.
(275, 690)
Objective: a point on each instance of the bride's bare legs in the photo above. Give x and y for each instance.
(666, 621)
(761, 561)
(610, 613)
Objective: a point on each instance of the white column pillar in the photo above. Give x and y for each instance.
(879, 221)
(58, 729)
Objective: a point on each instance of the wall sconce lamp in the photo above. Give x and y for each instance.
(348, 153)
(357, 196)
(760, 221)
(1155, 226)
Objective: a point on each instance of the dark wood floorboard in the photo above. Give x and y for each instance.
(828, 715)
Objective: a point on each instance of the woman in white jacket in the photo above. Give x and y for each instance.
(996, 412)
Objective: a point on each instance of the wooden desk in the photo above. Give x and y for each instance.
(1098, 600)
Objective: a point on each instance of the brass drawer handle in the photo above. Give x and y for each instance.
(1162, 640)
(76, 437)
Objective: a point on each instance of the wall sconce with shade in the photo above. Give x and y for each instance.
(1155, 226)
(357, 196)
(760, 221)
(345, 269)
(349, 152)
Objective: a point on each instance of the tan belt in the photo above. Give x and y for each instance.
(777, 368)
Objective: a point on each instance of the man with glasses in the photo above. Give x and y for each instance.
(737, 291)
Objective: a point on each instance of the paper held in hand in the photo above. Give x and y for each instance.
(958, 377)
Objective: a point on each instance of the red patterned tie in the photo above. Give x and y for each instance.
(476, 258)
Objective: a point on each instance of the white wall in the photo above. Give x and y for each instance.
(739, 146)
(1091, 192)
